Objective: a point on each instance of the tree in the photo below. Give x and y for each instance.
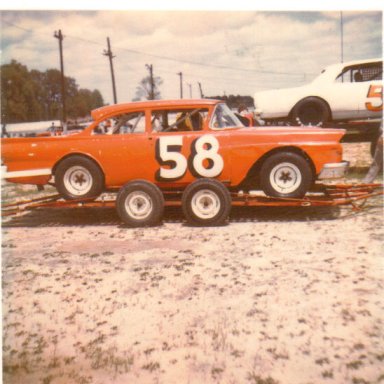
(143, 90)
(34, 95)
(17, 95)
(84, 102)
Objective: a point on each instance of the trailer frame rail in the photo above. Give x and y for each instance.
(326, 195)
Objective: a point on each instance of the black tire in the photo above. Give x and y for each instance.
(206, 202)
(78, 177)
(140, 203)
(310, 111)
(286, 175)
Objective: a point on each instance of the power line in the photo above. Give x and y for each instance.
(249, 70)
(211, 65)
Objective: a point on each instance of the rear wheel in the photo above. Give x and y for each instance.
(140, 203)
(286, 175)
(206, 202)
(310, 111)
(78, 177)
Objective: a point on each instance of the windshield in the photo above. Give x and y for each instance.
(223, 117)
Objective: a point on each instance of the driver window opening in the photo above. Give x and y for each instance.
(126, 123)
(178, 120)
(361, 73)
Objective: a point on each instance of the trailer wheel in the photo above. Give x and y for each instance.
(285, 174)
(140, 203)
(206, 202)
(79, 177)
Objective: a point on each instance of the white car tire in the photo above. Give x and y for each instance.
(206, 202)
(78, 177)
(140, 203)
(286, 175)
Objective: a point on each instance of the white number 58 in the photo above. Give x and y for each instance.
(204, 161)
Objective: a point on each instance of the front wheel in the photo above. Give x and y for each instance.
(140, 203)
(286, 175)
(206, 202)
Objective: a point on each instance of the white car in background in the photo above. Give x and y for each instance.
(342, 92)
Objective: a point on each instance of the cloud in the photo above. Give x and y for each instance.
(232, 51)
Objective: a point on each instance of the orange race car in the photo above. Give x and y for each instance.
(197, 147)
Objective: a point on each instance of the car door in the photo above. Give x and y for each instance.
(345, 96)
(185, 151)
(123, 148)
(357, 92)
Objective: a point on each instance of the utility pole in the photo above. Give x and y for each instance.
(152, 91)
(110, 56)
(58, 35)
(190, 90)
(181, 84)
(342, 36)
(201, 90)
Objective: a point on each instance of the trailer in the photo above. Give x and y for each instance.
(325, 195)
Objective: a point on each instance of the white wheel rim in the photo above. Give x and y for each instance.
(138, 205)
(205, 204)
(285, 178)
(78, 180)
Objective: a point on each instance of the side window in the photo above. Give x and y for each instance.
(372, 72)
(178, 120)
(361, 73)
(223, 117)
(127, 123)
(345, 76)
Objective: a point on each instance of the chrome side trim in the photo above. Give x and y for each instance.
(28, 173)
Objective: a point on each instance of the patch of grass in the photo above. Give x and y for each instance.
(358, 380)
(236, 353)
(151, 366)
(256, 379)
(48, 379)
(216, 371)
(356, 364)
(327, 374)
(108, 359)
(322, 361)
(278, 355)
(380, 357)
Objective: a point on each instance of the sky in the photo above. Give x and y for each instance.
(228, 52)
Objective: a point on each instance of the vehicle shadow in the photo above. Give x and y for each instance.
(108, 216)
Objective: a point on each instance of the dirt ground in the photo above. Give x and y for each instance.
(289, 296)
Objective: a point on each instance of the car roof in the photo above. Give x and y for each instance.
(354, 62)
(331, 71)
(179, 103)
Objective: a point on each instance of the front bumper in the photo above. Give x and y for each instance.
(334, 170)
